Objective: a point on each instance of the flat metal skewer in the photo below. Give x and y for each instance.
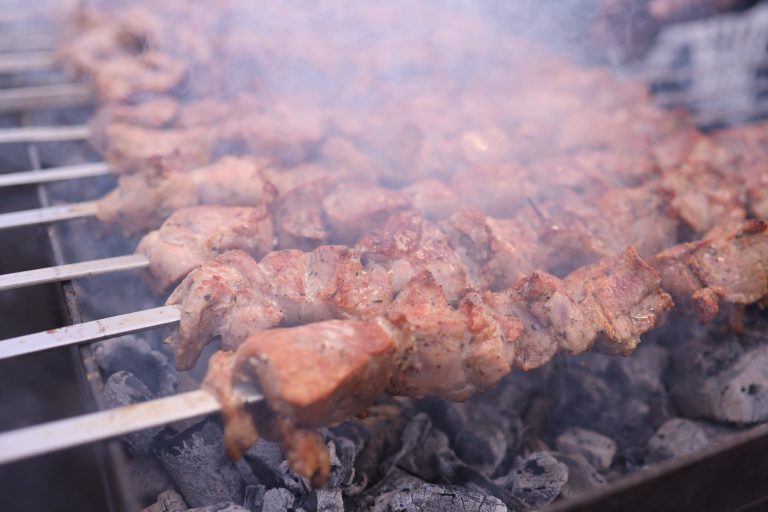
(90, 331)
(44, 134)
(49, 214)
(21, 99)
(68, 172)
(73, 271)
(27, 442)
(20, 62)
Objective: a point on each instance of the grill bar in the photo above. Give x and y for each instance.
(43, 133)
(90, 331)
(44, 97)
(57, 435)
(11, 42)
(49, 214)
(54, 174)
(72, 271)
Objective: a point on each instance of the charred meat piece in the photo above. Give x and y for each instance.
(732, 269)
(296, 287)
(192, 236)
(143, 201)
(424, 346)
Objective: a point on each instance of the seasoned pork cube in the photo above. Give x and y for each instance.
(192, 236)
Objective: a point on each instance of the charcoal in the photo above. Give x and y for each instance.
(597, 449)
(329, 500)
(425, 453)
(266, 459)
(220, 507)
(677, 436)
(384, 426)
(477, 433)
(536, 480)
(582, 476)
(342, 458)
(136, 356)
(254, 497)
(732, 387)
(196, 461)
(438, 498)
(123, 388)
(354, 431)
(622, 398)
(278, 500)
(146, 477)
(377, 498)
(167, 501)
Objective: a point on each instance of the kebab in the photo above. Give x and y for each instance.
(425, 344)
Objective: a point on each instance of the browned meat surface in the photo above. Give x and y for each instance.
(732, 269)
(425, 346)
(128, 148)
(296, 287)
(143, 201)
(192, 236)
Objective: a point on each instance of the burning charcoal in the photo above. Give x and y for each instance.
(723, 380)
(329, 500)
(135, 355)
(278, 500)
(254, 497)
(221, 507)
(478, 434)
(196, 461)
(123, 388)
(266, 459)
(384, 425)
(536, 480)
(582, 475)
(378, 496)
(437, 498)
(597, 449)
(426, 454)
(677, 436)
(167, 501)
(622, 398)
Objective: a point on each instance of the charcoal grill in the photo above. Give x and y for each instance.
(728, 476)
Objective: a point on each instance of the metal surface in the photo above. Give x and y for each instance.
(30, 441)
(90, 331)
(44, 97)
(72, 271)
(48, 214)
(11, 42)
(44, 134)
(54, 174)
(22, 62)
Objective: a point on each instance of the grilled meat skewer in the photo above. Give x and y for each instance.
(424, 344)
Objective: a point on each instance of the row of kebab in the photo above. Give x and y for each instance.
(351, 210)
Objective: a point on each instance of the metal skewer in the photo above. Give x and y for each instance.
(49, 214)
(44, 134)
(54, 174)
(20, 62)
(57, 435)
(72, 271)
(44, 96)
(90, 331)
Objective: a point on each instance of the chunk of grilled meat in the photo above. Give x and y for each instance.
(323, 373)
(470, 250)
(729, 268)
(192, 236)
(143, 201)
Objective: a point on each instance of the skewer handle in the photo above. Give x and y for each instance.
(50, 437)
(49, 214)
(54, 174)
(72, 271)
(90, 331)
(20, 62)
(38, 97)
